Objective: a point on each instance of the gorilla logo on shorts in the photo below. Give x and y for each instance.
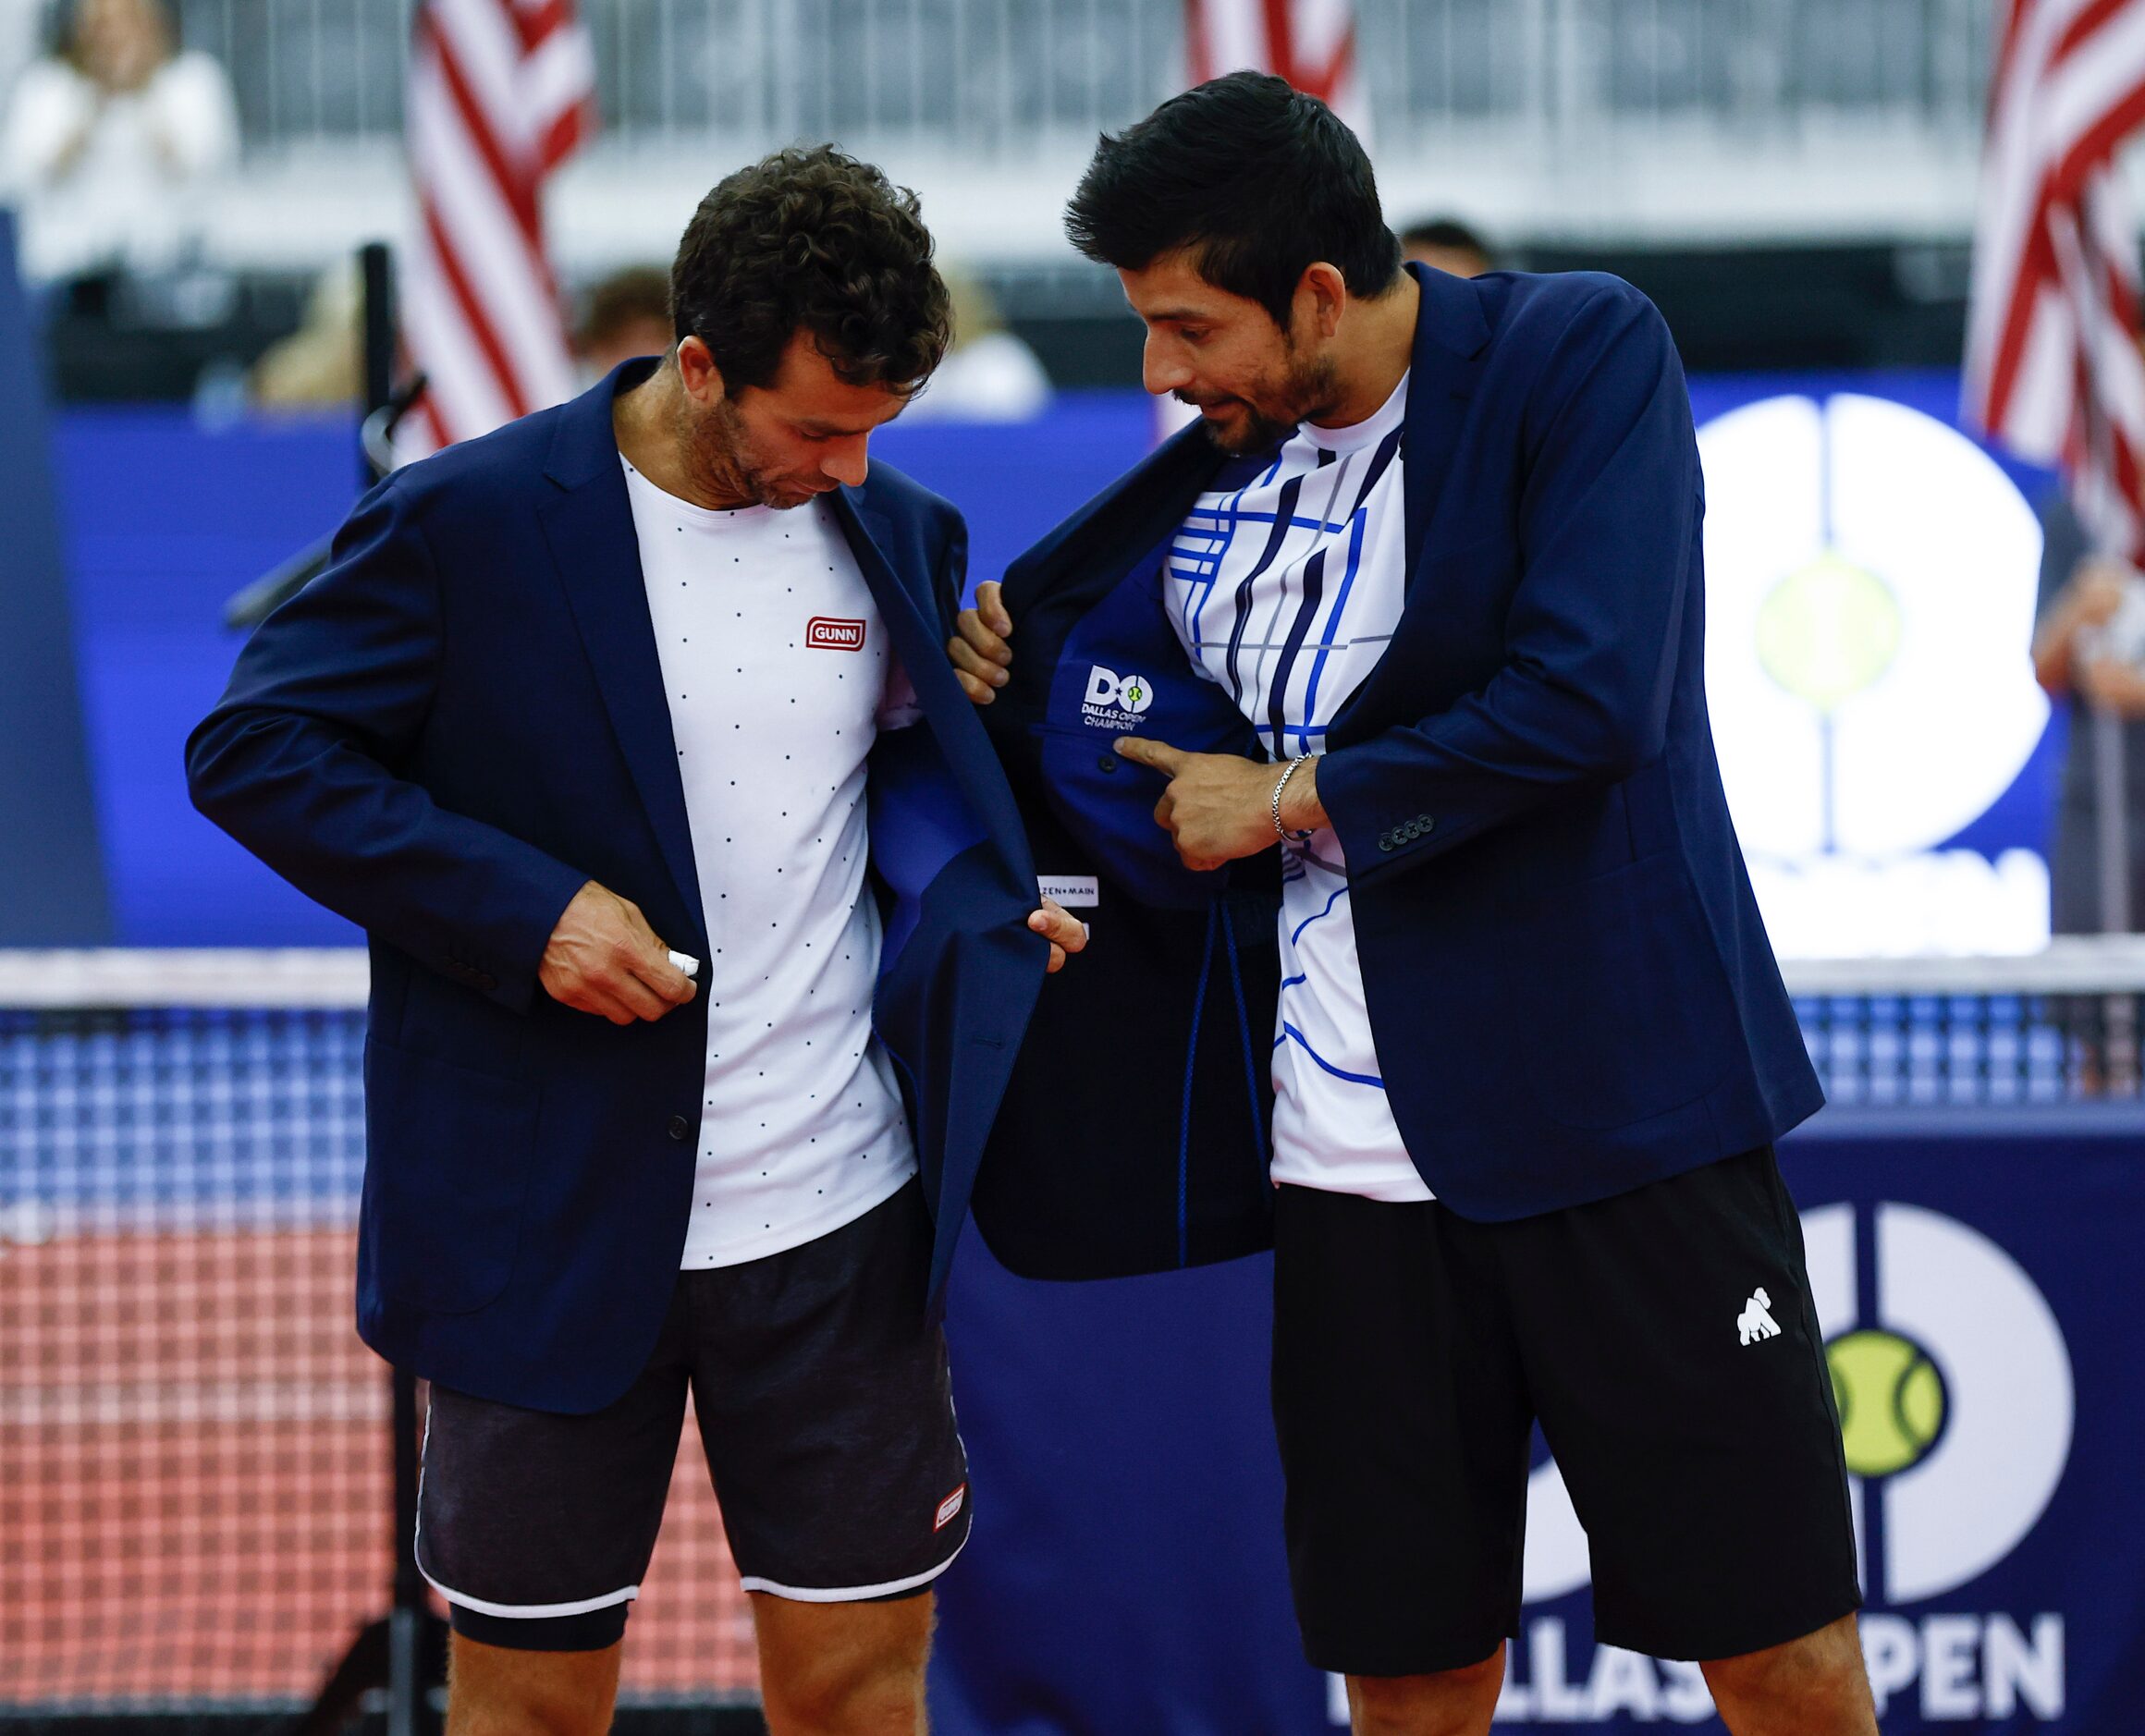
(1956, 1404)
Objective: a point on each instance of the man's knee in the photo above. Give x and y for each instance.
(1820, 1676)
(498, 1691)
(843, 1669)
(850, 1696)
(1450, 1702)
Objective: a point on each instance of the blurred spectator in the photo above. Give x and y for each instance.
(626, 314)
(322, 361)
(108, 135)
(989, 374)
(1447, 244)
(2088, 637)
(21, 31)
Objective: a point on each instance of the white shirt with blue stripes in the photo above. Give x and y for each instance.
(1286, 591)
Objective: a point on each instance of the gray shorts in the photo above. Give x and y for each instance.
(828, 1416)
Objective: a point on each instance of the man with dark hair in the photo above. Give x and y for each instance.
(1408, 633)
(624, 315)
(612, 680)
(1446, 244)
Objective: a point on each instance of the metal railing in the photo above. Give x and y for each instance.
(1004, 79)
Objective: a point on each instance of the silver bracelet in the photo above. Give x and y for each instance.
(1280, 831)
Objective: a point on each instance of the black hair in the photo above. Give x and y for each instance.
(811, 238)
(1259, 179)
(61, 18)
(1447, 232)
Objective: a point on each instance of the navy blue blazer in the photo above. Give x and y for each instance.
(442, 737)
(1569, 985)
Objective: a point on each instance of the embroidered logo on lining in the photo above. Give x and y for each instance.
(1114, 700)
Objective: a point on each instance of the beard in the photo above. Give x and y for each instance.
(726, 461)
(1307, 388)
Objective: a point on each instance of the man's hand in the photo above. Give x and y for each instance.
(2114, 685)
(1219, 807)
(2095, 591)
(1065, 932)
(603, 957)
(979, 651)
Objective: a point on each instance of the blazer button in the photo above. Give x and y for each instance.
(681, 1128)
(1107, 762)
(1385, 840)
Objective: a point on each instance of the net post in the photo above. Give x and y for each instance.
(2118, 1067)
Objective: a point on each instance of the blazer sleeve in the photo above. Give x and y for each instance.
(1608, 517)
(299, 762)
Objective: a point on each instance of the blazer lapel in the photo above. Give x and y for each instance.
(589, 524)
(1451, 337)
(1140, 511)
(911, 619)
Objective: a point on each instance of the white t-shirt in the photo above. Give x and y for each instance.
(1287, 592)
(778, 676)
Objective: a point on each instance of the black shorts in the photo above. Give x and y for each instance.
(827, 1413)
(1691, 1416)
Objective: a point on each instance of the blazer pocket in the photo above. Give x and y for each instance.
(447, 1170)
(1623, 1011)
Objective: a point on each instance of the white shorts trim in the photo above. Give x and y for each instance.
(852, 1594)
(517, 1612)
(531, 1612)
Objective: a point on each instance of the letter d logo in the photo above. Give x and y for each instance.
(1101, 686)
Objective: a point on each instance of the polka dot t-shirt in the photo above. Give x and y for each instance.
(778, 676)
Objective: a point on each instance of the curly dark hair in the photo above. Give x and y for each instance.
(810, 236)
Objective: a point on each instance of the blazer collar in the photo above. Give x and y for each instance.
(588, 521)
(902, 590)
(1451, 337)
(1142, 508)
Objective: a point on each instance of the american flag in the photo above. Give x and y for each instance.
(501, 92)
(2054, 368)
(1309, 42)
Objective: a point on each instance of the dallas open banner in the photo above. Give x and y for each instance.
(1974, 1277)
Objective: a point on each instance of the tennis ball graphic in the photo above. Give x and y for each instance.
(1828, 630)
(1891, 1398)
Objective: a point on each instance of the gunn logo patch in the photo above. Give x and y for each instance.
(823, 632)
(950, 1508)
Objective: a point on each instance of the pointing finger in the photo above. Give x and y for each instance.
(1165, 759)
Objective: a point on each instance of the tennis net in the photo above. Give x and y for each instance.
(195, 1457)
(194, 1451)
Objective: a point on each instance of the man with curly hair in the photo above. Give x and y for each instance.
(579, 709)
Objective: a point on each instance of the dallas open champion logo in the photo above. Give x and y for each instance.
(1114, 700)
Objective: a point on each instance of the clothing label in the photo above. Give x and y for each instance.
(1075, 892)
(950, 1508)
